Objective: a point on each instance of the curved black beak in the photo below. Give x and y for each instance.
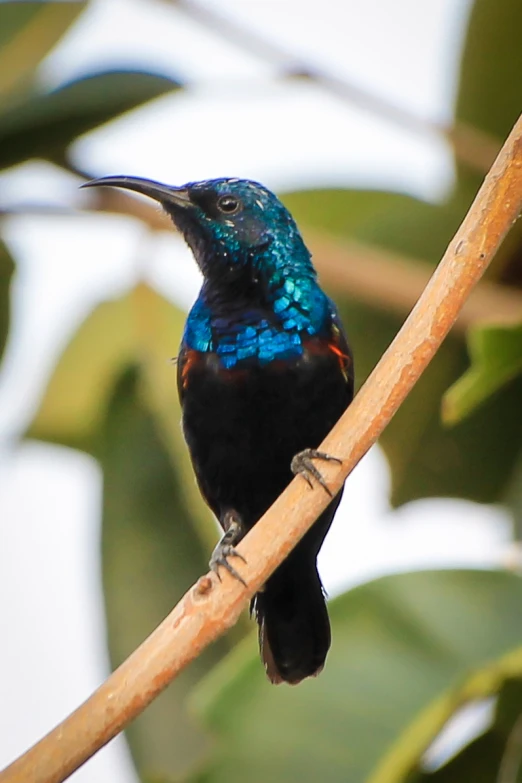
(165, 194)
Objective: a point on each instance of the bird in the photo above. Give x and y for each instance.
(264, 371)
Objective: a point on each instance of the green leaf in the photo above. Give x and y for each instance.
(75, 401)
(151, 555)
(141, 329)
(407, 651)
(113, 394)
(478, 762)
(496, 358)
(28, 31)
(428, 459)
(45, 124)
(497, 749)
(475, 459)
(6, 273)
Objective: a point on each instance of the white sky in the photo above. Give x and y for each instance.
(233, 121)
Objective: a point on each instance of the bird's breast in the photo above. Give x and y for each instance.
(243, 424)
(302, 360)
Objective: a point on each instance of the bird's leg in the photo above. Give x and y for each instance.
(234, 532)
(302, 465)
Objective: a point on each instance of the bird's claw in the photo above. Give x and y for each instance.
(302, 465)
(220, 557)
(234, 531)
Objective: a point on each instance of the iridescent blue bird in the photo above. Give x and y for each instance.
(264, 372)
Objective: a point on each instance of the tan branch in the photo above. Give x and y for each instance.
(210, 608)
(378, 277)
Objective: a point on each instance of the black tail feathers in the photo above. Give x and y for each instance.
(294, 630)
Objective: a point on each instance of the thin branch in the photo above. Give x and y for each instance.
(210, 607)
(472, 146)
(378, 277)
(367, 273)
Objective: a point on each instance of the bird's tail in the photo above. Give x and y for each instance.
(294, 630)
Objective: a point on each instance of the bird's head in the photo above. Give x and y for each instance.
(233, 226)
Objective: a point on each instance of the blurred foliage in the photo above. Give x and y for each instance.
(496, 355)
(28, 31)
(113, 395)
(150, 556)
(6, 273)
(44, 124)
(40, 123)
(426, 458)
(403, 647)
(494, 755)
(407, 650)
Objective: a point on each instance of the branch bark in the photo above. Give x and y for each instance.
(210, 607)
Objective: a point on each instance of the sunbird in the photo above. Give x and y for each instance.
(264, 372)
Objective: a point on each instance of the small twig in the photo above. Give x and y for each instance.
(472, 146)
(210, 608)
(367, 273)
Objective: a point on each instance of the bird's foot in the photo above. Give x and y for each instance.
(234, 532)
(302, 465)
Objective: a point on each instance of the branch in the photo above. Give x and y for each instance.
(370, 274)
(210, 607)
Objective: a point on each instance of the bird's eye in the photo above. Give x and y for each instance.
(229, 204)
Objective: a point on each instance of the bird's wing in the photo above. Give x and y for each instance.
(339, 345)
(187, 358)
